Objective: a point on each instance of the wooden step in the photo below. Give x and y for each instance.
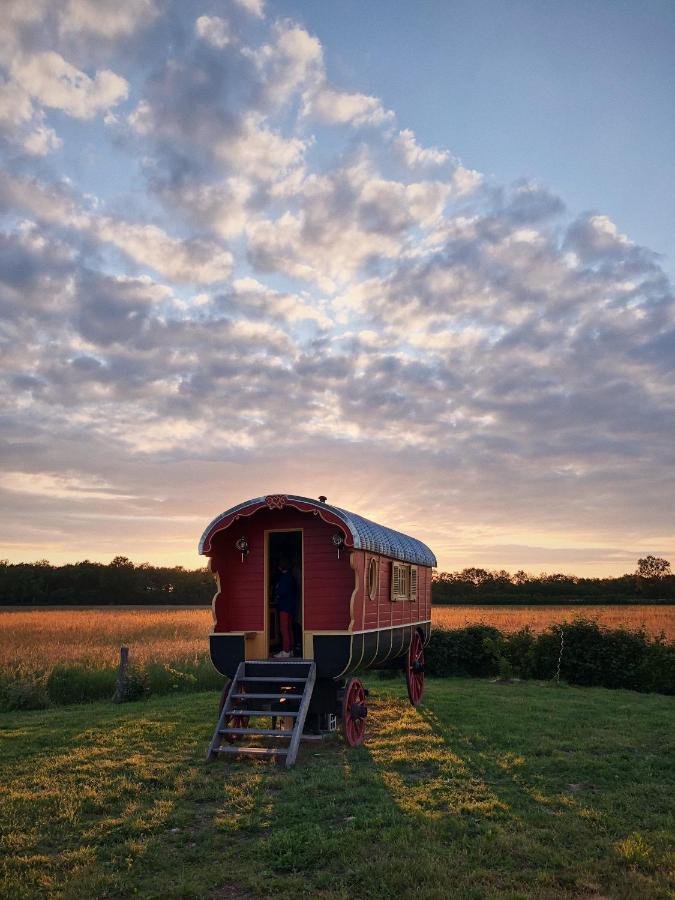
(266, 696)
(274, 672)
(275, 678)
(268, 732)
(254, 751)
(276, 667)
(284, 660)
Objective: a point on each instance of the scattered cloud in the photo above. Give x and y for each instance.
(52, 81)
(59, 487)
(414, 156)
(255, 7)
(290, 61)
(336, 107)
(41, 141)
(277, 284)
(183, 260)
(214, 30)
(111, 19)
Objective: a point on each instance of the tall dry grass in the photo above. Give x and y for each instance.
(652, 619)
(60, 656)
(39, 639)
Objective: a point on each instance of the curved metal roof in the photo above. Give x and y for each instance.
(364, 534)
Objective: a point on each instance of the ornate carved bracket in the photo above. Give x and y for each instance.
(276, 501)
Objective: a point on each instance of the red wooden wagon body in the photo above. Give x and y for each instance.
(364, 591)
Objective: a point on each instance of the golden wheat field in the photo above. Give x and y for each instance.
(653, 619)
(39, 639)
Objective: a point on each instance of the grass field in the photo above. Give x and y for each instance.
(653, 619)
(489, 790)
(38, 639)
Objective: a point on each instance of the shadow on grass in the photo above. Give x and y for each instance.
(473, 795)
(518, 785)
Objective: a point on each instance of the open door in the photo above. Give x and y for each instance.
(284, 548)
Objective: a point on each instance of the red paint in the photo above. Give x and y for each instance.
(276, 502)
(328, 581)
(381, 612)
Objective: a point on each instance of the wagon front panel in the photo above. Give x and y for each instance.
(240, 603)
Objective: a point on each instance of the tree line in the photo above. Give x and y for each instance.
(651, 581)
(89, 583)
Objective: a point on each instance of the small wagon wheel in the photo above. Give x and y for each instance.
(354, 712)
(414, 673)
(234, 720)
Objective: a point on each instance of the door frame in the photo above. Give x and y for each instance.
(266, 576)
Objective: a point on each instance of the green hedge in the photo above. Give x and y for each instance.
(591, 655)
(78, 684)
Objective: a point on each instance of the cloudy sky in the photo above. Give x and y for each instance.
(417, 258)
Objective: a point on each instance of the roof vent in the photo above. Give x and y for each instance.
(322, 499)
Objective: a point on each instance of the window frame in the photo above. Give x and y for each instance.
(373, 578)
(404, 582)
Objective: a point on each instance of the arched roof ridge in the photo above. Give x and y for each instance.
(364, 533)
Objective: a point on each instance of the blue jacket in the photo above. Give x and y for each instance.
(287, 593)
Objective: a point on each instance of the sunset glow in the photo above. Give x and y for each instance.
(237, 260)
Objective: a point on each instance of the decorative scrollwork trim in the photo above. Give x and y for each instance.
(276, 501)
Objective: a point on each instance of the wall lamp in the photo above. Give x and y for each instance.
(242, 547)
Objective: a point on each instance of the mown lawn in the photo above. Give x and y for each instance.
(488, 790)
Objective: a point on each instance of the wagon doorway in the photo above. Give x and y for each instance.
(284, 576)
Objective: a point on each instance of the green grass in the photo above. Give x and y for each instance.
(24, 689)
(488, 790)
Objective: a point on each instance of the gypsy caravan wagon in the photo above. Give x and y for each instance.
(363, 602)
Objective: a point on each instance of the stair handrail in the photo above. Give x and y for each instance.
(299, 725)
(226, 710)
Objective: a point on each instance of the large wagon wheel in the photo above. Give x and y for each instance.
(234, 720)
(354, 712)
(414, 673)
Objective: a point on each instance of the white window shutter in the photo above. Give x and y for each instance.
(395, 581)
(402, 585)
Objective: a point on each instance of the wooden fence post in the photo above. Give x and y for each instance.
(121, 675)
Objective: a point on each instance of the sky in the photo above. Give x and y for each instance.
(415, 257)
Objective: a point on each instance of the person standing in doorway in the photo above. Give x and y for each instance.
(287, 600)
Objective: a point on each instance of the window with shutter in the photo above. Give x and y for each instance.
(405, 582)
(395, 581)
(401, 582)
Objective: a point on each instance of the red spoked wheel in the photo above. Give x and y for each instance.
(354, 712)
(234, 720)
(414, 673)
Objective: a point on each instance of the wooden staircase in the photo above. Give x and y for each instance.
(280, 689)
